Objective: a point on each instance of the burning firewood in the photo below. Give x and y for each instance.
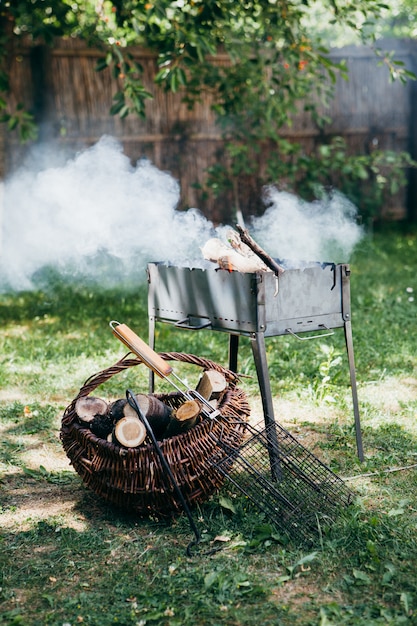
(184, 418)
(251, 243)
(230, 258)
(243, 254)
(87, 407)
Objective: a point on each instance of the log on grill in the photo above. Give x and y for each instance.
(229, 258)
(243, 254)
(269, 261)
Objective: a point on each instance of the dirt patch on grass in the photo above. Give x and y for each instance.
(295, 415)
(302, 592)
(48, 457)
(394, 399)
(295, 412)
(13, 394)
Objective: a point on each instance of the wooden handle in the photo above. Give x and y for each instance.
(141, 349)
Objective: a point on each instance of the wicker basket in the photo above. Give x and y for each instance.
(133, 478)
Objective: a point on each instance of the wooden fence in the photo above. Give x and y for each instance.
(71, 102)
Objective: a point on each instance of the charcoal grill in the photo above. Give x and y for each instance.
(313, 298)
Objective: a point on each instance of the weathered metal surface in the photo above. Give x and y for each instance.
(299, 300)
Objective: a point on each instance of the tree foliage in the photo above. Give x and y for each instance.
(398, 20)
(274, 59)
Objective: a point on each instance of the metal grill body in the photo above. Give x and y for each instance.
(257, 305)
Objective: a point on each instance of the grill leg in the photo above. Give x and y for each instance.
(261, 364)
(233, 348)
(259, 355)
(349, 347)
(151, 341)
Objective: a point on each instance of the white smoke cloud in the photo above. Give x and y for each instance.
(102, 218)
(290, 228)
(95, 208)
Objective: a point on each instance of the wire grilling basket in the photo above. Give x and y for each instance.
(295, 490)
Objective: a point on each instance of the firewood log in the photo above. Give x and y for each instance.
(101, 425)
(183, 418)
(87, 407)
(116, 409)
(260, 252)
(156, 412)
(130, 432)
(230, 259)
(211, 384)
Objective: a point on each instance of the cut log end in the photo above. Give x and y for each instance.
(156, 412)
(211, 384)
(190, 409)
(183, 419)
(87, 407)
(130, 432)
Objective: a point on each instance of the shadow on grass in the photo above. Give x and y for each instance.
(26, 428)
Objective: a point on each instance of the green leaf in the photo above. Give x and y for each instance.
(173, 81)
(227, 504)
(101, 65)
(308, 558)
(361, 577)
(117, 107)
(362, 173)
(210, 579)
(124, 112)
(12, 123)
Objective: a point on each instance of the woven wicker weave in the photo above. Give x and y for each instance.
(133, 478)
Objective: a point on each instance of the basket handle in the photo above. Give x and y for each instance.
(101, 377)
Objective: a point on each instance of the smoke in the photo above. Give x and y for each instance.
(325, 230)
(97, 217)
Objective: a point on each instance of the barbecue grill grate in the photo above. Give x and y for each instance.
(284, 480)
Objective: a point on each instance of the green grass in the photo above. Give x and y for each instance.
(67, 557)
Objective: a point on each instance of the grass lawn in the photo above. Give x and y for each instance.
(67, 557)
